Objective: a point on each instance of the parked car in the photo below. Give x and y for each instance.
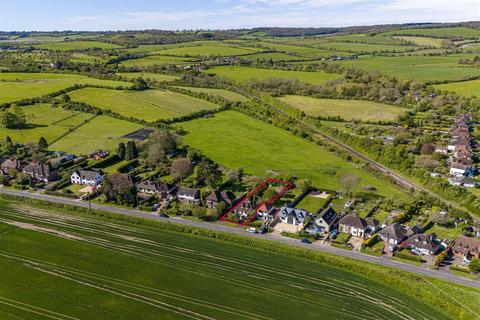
(252, 230)
(163, 215)
(305, 240)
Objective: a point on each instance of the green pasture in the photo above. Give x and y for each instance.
(464, 88)
(306, 52)
(362, 38)
(102, 132)
(86, 58)
(155, 60)
(451, 32)
(274, 56)
(65, 265)
(17, 86)
(207, 50)
(239, 73)
(148, 75)
(258, 147)
(363, 47)
(76, 45)
(346, 109)
(229, 95)
(149, 105)
(422, 41)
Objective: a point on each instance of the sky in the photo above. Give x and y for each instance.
(100, 15)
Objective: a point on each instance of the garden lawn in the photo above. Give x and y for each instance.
(76, 45)
(149, 105)
(422, 68)
(71, 265)
(148, 75)
(238, 141)
(229, 95)
(17, 86)
(311, 204)
(102, 132)
(346, 109)
(45, 121)
(464, 88)
(238, 73)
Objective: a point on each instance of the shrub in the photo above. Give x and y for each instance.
(407, 256)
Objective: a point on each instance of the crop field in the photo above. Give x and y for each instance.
(453, 32)
(85, 58)
(149, 105)
(248, 73)
(229, 95)
(422, 41)
(363, 47)
(421, 68)
(102, 132)
(155, 60)
(274, 56)
(157, 48)
(76, 45)
(207, 50)
(114, 270)
(18, 86)
(346, 109)
(365, 38)
(45, 121)
(258, 147)
(305, 52)
(148, 75)
(464, 88)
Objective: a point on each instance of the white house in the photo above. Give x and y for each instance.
(188, 196)
(87, 177)
(353, 224)
(458, 169)
(293, 216)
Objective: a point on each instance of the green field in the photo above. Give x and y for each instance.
(305, 52)
(45, 121)
(155, 60)
(346, 109)
(102, 132)
(148, 75)
(311, 204)
(207, 50)
(76, 45)
(422, 68)
(274, 56)
(149, 105)
(452, 32)
(66, 265)
(248, 73)
(362, 38)
(363, 47)
(422, 41)
(258, 147)
(18, 86)
(85, 58)
(229, 95)
(464, 88)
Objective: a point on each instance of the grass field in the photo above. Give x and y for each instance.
(305, 52)
(148, 75)
(422, 68)
(76, 45)
(207, 50)
(452, 32)
(102, 132)
(363, 47)
(258, 147)
(18, 86)
(274, 56)
(464, 88)
(311, 204)
(247, 73)
(346, 109)
(45, 121)
(155, 60)
(149, 105)
(65, 265)
(85, 58)
(422, 41)
(229, 95)
(363, 38)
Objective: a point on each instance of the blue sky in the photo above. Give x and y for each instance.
(223, 14)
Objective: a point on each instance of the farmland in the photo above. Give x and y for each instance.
(346, 109)
(149, 105)
(453, 32)
(117, 270)
(18, 86)
(101, 132)
(422, 41)
(421, 68)
(364, 47)
(258, 147)
(464, 88)
(248, 73)
(76, 45)
(155, 60)
(207, 50)
(229, 95)
(148, 75)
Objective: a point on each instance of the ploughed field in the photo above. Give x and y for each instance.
(239, 141)
(60, 265)
(346, 109)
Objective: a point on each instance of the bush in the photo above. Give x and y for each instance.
(456, 267)
(60, 194)
(407, 256)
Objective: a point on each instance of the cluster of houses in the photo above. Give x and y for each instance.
(460, 149)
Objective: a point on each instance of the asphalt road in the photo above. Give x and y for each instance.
(384, 261)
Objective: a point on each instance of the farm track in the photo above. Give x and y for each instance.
(399, 179)
(85, 230)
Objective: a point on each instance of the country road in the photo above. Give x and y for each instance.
(384, 261)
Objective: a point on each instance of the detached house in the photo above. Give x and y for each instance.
(163, 190)
(188, 196)
(426, 244)
(392, 234)
(353, 224)
(326, 220)
(216, 197)
(10, 164)
(293, 216)
(40, 172)
(467, 247)
(87, 177)
(266, 211)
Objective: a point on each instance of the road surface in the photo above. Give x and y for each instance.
(384, 261)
